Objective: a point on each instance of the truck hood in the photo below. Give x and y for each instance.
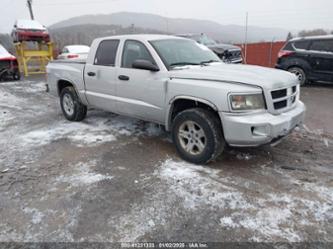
(221, 48)
(263, 77)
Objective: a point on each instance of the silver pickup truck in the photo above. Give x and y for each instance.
(183, 86)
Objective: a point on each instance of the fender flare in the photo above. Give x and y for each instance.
(184, 97)
(82, 99)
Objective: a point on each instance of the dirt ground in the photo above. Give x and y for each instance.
(112, 178)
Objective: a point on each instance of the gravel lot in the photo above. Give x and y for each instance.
(113, 178)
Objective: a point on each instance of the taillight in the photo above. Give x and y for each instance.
(285, 53)
(72, 56)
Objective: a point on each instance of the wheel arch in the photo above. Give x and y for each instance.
(62, 83)
(303, 64)
(181, 103)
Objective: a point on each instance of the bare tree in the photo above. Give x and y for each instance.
(290, 36)
(313, 32)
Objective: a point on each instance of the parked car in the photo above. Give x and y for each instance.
(226, 52)
(183, 86)
(29, 30)
(8, 65)
(310, 58)
(74, 52)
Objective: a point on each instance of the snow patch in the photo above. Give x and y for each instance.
(30, 87)
(200, 186)
(269, 222)
(275, 216)
(80, 133)
(94, 131)
(228, 222)
(8, 100)
(37, 216)
(83, 175)
(5, 117)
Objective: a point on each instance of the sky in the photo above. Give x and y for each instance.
(286, 14)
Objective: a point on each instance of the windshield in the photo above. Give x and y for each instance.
(179, 52)
(4, 52)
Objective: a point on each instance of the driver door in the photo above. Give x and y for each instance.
(140, 93)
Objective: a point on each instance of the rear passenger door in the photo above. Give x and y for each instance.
(321, 59)
(101, 76)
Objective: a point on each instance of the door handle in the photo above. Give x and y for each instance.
(123, 77)
(91, 74)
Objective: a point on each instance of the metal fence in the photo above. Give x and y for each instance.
(263, 53)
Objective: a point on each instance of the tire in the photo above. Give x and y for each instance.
(71, 106)
(197, 135)
(300, 74)
(16, 75)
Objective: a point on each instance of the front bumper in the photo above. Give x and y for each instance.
(252, 130)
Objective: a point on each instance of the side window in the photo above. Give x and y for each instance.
(322, 45)
(106, 53)
(134, 50)
(64, 51)
(304, 45)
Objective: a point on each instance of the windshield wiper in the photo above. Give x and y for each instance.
(183, 64)
(208, 62)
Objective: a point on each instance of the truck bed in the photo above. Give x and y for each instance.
(66, 70)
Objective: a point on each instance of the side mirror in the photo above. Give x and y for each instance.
(145, 65)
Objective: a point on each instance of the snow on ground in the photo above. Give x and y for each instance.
(28, 87)
(37, 216)
(30, 121)
(98, 128)
(199, 185)
(83, 175)
(92, 132)
(6, 117)
(57, 205)
(271, 216)
(8, 100)
(80, 133)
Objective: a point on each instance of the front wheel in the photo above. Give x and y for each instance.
(71, 106)
(197, 134)
(300, 74)
(16, 75)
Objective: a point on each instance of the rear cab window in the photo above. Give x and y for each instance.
(106, 53)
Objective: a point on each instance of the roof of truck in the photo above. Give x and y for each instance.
(147, 37)
(320, 37)
(29, 24)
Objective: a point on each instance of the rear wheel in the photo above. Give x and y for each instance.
(71, 106)
(197, 134)
(300, 74)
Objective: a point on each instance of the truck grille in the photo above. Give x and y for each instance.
(284, 98)
(232, 56)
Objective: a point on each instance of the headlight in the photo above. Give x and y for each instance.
(245, 102)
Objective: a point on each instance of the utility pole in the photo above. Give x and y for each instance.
(246, 30)
(29, 3)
